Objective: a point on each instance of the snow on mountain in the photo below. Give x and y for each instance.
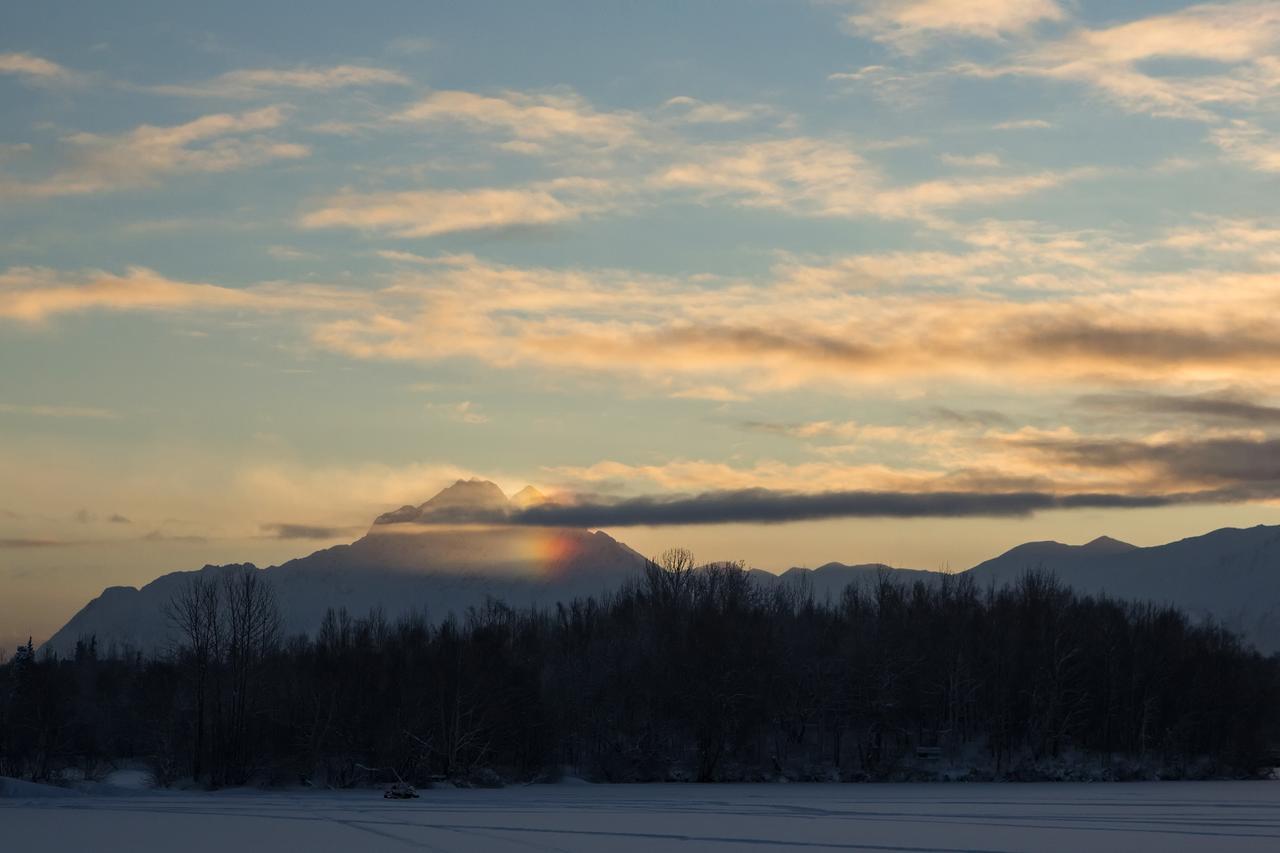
(411, 559)
(828, 581)
(1231, 575)
(456, 549)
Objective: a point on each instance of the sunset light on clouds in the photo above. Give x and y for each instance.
(952, 276)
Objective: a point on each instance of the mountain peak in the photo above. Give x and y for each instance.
(471, 494)
(463, 498)
(1105, 544)
(526, 497)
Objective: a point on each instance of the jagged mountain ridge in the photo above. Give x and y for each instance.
(1231, 575)
(399, 565)
(407, 561)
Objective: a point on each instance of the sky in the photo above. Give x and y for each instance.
(871, 281)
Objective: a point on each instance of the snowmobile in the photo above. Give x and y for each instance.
(400, 791)
(397, 790)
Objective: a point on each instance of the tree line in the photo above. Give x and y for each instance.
(684, 674)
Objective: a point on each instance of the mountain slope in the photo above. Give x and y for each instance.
(1232, 575)
(401, 564)
(438, 558)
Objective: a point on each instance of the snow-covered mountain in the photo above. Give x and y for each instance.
(456, 549)
(1231, 575)
(401, 564)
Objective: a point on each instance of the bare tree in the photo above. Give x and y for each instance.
(252, 627)
(193, 611)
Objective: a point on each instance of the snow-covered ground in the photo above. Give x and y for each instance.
(1162, 816)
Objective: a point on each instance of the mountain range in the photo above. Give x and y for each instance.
(437, 559)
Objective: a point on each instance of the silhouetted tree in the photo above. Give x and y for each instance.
(686, 673)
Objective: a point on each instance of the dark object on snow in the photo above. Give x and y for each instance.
(400, 791)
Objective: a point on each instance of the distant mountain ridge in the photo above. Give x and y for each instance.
(399, 565)
(1231, 575)
(416, 558)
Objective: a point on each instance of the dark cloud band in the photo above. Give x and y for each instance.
(766, 506)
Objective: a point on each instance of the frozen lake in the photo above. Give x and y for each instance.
(1169, 816)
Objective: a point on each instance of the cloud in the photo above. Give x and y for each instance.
(767, 506)
(980, 418)
(465, 412)
(182, 538)
(535, 119)
(924, 198)
(818, 177)
(32, 543)
(973, 161)
(221, 142)
(1245, 466)
(427, 213)
(910, 25)
(715, 393)
(857, 436)
(91, 412)
(1236, 42)
(1249, 144)
(693, 111)
(35, 69)
(284, 530)
(252, 82)
(411, 45)
(1252, 238)
(34, 294)
(289, 253)
(822, 176)
(849, 323)
(1204, 407)
(848, 430)
(894, 86)
(1023, 124)
(701, 475)
(1013, 302)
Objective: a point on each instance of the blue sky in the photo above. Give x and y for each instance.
(260, 265)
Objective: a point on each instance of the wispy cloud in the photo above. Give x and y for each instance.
(826, 178)
(221, 142)
(45, 411)
(254, 82)
(1238, 40)
(425, 213)
(986, 160)
(285, 530)
(768, 506)
(465, 412)
(909, 25)
(36, 69)
(714, 393)
(693, 111)
(1023, 124)
(18, 542)
(33, 295)
(1248, 143)
(839, 323)
(1247, 466)
(1204, 408)
(533, 119)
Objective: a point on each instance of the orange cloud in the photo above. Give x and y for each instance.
(423, 213)
(248, 82)
(908, 24)
(533, 118)
(221, 142)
